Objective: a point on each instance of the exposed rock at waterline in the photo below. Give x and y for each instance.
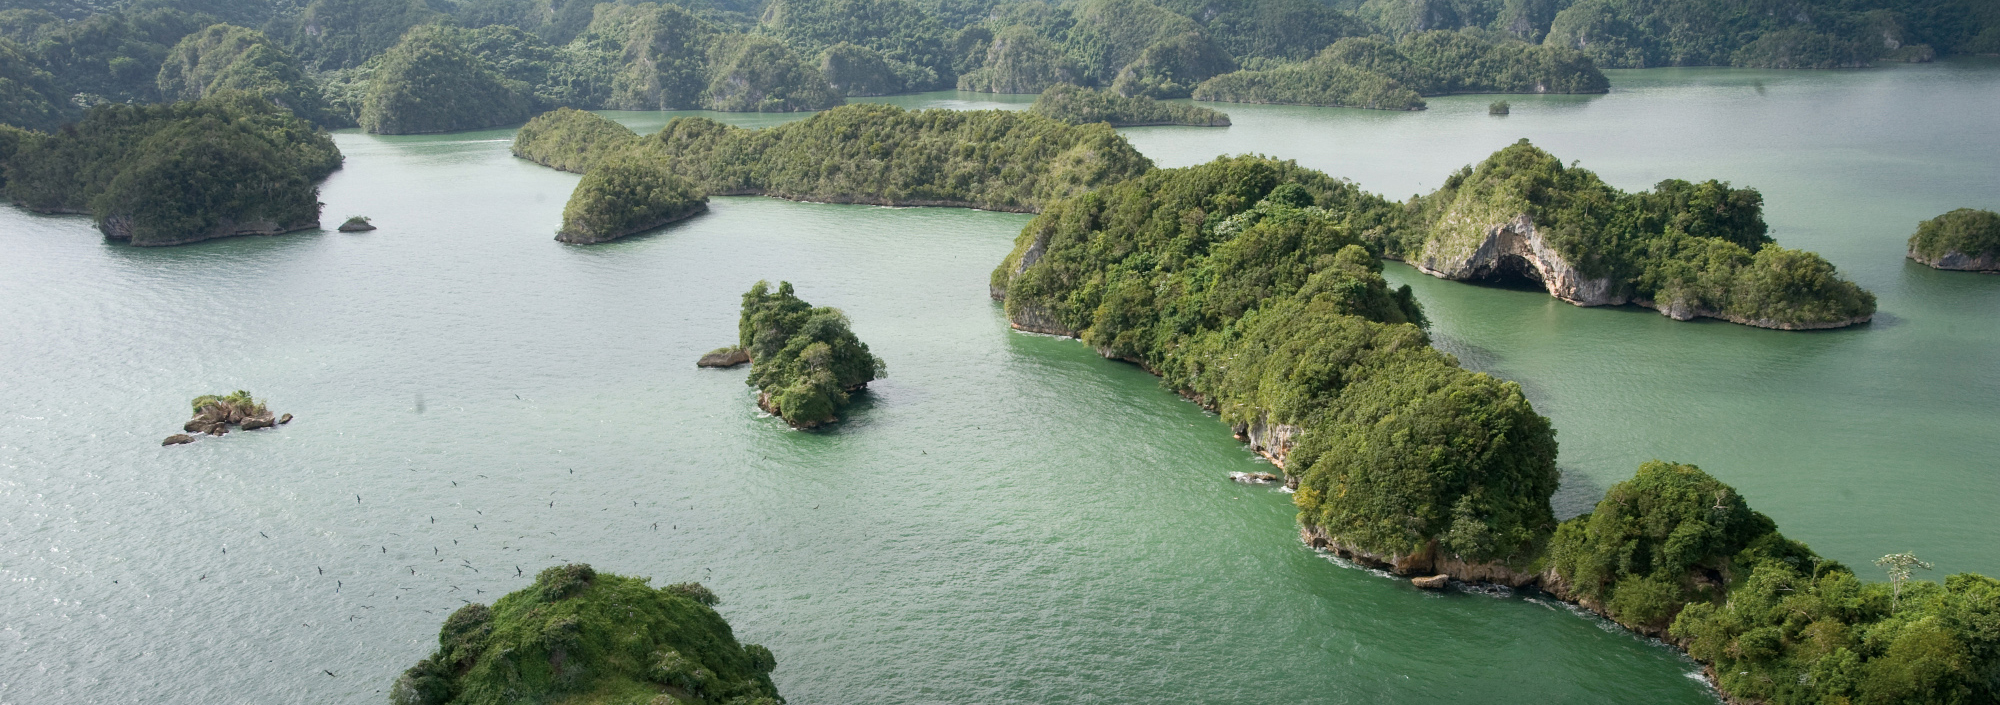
(1429, 561)
(1516, 248)
(1271, 440)
(177, 439)
(1254, 478)
(356, 224)
(214, 414)
(1435, 582)
(724, 357)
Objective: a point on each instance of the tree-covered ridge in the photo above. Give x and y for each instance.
(1079, 106)
(227, 57)
(881, 154)
(1373, 72)
(754, 73)
(629, 191)
(570, 140)
(28, 95)
(1961, 239)
(589, 638)
(228, 164)
(1676, 553)
(913, 43)
(853, 70)
(1020, 60)
(428, 82)
(1248, 284)
(805, 361)
(1687, 249)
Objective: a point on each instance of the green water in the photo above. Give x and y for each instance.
(1007, 518)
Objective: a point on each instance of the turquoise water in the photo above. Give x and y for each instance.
(1007, 517)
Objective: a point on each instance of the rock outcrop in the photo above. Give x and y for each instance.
(1516, 248)
(1271, 440)
(1427, 562)
(724, 357)
(214, 414)
(177, 439)
(1955, 260)
(356, 224)
(1435, 582)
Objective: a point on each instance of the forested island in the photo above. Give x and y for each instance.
(863, 153)
(1686, 249)
(343, 63)
(805, 361)
(588, 638)
(231, 163)
(1964, 239)
(1252, 286)
(1078, 106)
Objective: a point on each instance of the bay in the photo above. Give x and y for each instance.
(1007, 517)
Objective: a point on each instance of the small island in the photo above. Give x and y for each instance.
(229, 164)
(1077, 106)
(805, 361)
(629, 192)
(356, 224)
(215, 413)
(1689, 250)
(1376, 73)
(583, 637)
(990, 159)
(1966, 239)
(1499, 107)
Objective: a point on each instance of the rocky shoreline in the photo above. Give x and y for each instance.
(214, 414)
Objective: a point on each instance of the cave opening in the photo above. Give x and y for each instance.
(1513, 271)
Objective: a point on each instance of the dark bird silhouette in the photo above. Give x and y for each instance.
(225, 549)
(385, 549)
(552, 504)
(204, 576)
(330, 673)
(357, 499)
(434, 520)
(434, 550)
(322, 571)
(265, 535)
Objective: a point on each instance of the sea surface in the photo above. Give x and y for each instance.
(476, 402)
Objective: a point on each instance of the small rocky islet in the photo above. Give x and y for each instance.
(1966, 239)
(215, 413)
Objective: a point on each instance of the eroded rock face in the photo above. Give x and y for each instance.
(177, 439)
(1955, 260)
(1271, 440)
(1516, 247)
(1428, 562)
(1435, 582)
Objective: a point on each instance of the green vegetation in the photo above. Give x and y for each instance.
(1813, 34)
(342, 34)
(1019, 60)
(1079, 106)
(911, 41)
(1311, 83)
(854, 70)
(227, 57)
(804, 360)
(588, 638)
(228, 164)
(1372, 72)
(1499, 107)
(627, 192)
(1248, 284)
(28, 95)
(1674, 552)
(429, 83)
(570, 140)
(1962, 239)
(1172, 67)
(760, 74)
(1284, 30)
(215, 413)
(644, 57)
(881, 154)
(1688, 249)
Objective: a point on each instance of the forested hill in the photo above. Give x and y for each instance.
(327, 59)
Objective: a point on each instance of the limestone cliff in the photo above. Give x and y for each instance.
(1429, 561)
(1513, 248)
(1985, 262)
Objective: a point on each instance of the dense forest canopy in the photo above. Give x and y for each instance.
(230, 163)
(1077, 106)
(59, 56)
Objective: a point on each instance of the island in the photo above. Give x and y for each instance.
(1373, 72)
(1078, 106)
(229, 164)
(1687, 249)
(629, 192)
(1965, 239)
(1269, 309)
(356, 224)
(805, 362)
(429, 83)
(215, 413)
(990, 159)
(583, 637)
(226, 57)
